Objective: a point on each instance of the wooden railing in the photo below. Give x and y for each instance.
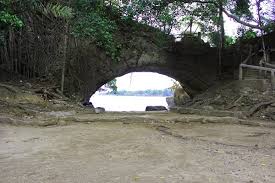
(259, 68)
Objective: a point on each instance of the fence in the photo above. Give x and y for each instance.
(259, 68)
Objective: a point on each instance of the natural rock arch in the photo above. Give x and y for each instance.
(191, 63)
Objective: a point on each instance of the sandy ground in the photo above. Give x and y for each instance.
(122, 152)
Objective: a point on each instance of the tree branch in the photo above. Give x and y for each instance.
(237, 19)
(234, 17)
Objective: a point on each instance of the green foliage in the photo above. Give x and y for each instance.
(151, 13)
(92, 21)
(98, 19)
(7, 18)
(7, 15)
(247, 34)
(112, 85)
(229, 40)
(204, 18)
(100, 28)
(242, 8)
(58, 10)
(166, 19)
(270, 27)
(214, 39)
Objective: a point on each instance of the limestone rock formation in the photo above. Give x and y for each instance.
(170, 102)
(180, 97)
(99, 110)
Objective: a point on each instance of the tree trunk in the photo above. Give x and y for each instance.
(221, 39)
(191, 25)
(11, 48)
(64, 57)
(258, 4)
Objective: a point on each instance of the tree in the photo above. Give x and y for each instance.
(66, 13)
(35, 33)
(112, 85)
(94, 20)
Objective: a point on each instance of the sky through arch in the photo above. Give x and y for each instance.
(144, 81)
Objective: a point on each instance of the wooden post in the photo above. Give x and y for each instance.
(241, 72)
(261, 65)
(273, 80)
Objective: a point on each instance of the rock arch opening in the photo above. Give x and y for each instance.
(135, 91)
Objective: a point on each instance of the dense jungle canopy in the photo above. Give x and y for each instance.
(40, 30)
(97, 18)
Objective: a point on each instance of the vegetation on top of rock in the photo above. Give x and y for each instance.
(40, 38)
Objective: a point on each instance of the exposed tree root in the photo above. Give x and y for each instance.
(8, 87)
(48, 95)
(235, 103)
(258, 107)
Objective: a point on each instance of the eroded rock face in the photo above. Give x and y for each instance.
(170, 102)
(180, 97)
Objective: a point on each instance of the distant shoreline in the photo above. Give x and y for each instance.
(142, 93)
(114, 95)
